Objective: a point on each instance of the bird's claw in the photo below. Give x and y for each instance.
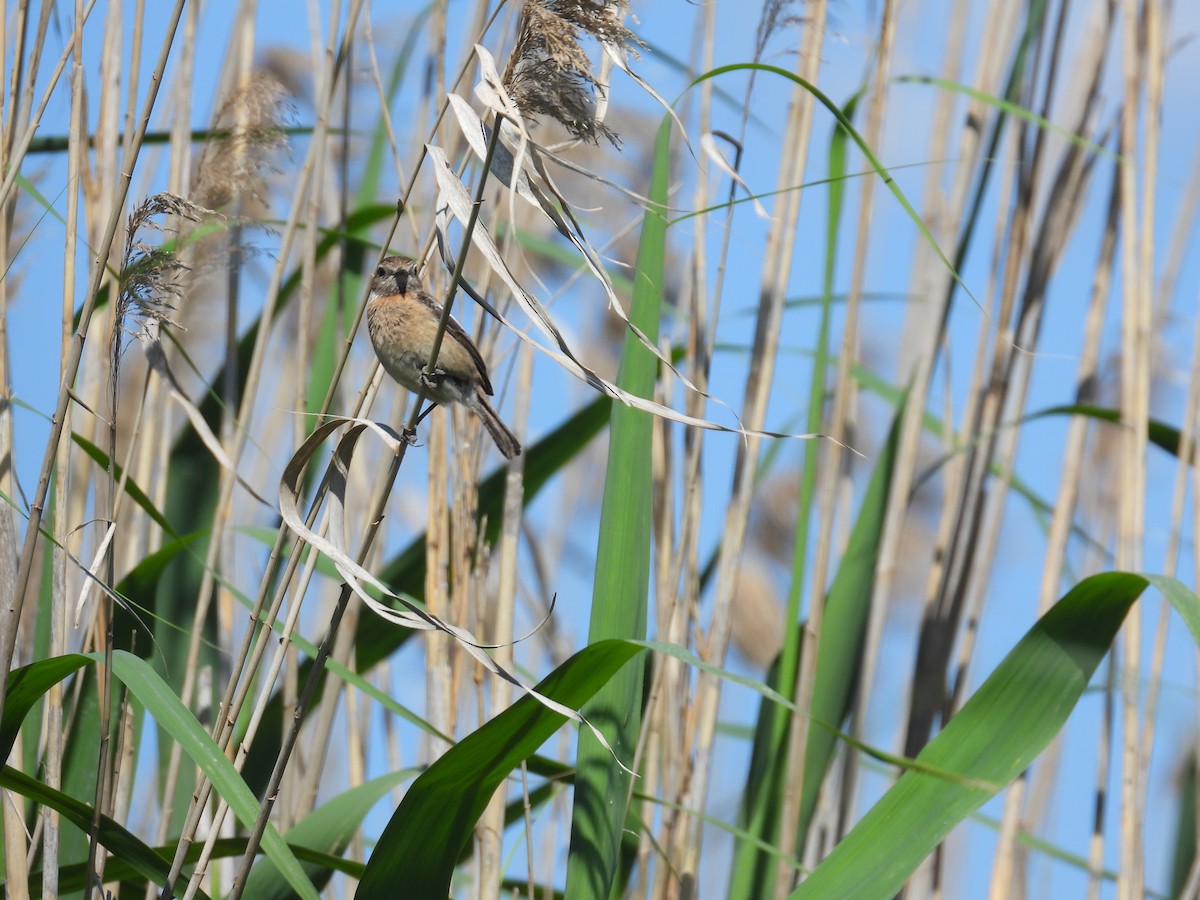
(410, 436)
(431, 379)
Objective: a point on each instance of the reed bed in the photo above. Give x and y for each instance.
(788, 595)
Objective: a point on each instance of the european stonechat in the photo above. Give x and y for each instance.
(402, 319)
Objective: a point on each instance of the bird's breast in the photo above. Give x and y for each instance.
(403, 339)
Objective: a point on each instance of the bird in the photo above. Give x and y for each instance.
(402, 320)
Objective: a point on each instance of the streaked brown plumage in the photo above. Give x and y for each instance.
(402, 320)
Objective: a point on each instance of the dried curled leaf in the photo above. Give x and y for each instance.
(336, 549)
(454, 202)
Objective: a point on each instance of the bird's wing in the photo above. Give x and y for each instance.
(456, 331)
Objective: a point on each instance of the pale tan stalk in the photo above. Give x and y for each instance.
(25, 69)
(18, 845)
(438, 673)
(649, 760)
(152, 452)
(16, 848)
(101, 393)
(33, 65)
(829, 466)
(1071, 478)
(239, 65)
(385, 113)
(1155, 60)
(491, 826)
(1000, 24)
(928, 274)
(252, 378)
(1184, 468)
(53, 720)
(1101, 794)
(1185, 221)
(312, 776)
(179, 174)
(956, 473)
(107, 156)
(776, 267)
(448, 574)
(1061, 211)
(308, 257)
(8, 516)
(123, 770)
(463, 574)
(8, 96)
(359, 742)
(1136, 250)
(157, 459)
(12, 613)
(677, 599)
(1192, 887)
(235, 68)
(284, 650)
(300, 785)
(920, 321)
(133, 65)
(151, 455)
(287, 659)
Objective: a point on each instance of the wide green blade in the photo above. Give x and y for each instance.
(114, 838)
(753, 871)
(621, 586)
(1000, 730)
(175, 720)
(26, 686)
(328, 829)
(424, 840)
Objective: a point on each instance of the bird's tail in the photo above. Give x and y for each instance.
(505, 440)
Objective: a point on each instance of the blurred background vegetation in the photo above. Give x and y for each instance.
(789, 594)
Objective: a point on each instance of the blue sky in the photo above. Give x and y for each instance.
(670, 26)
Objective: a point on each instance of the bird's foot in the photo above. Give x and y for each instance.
(431, 379)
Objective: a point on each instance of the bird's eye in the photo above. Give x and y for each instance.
(380, 272)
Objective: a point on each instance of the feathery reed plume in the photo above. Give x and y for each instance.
(549, 73)
(149, 280)
(247, 137)
(774, 18)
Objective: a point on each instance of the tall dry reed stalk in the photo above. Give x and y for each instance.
(253, 572)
